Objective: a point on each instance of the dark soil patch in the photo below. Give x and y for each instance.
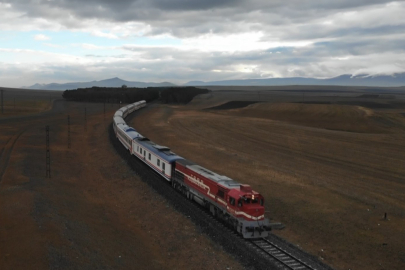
(232, 105)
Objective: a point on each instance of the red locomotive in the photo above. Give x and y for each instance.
(235, 203)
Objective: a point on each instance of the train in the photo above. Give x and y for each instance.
(236, 204)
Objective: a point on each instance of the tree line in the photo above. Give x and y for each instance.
(172, 95)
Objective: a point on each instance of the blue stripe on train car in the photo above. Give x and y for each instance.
(160, 151)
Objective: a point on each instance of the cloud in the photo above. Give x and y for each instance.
(177, 65)
(98, 33)
(88, 46)
(41, 37)
(53, 45)
(188, 17)
(182, 40)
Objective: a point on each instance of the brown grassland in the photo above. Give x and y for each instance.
(20, 102)
(330, 163)
(93, 213)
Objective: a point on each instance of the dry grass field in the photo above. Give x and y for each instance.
(93, 213)
(330, 162)
(20, 102)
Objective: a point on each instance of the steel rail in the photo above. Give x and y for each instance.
(287, 259)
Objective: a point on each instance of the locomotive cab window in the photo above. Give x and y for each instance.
(232, 200)
(220, 193)
(240, 202)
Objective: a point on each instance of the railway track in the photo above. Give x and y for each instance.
(283, 257)
(254, 254)
(275, 256)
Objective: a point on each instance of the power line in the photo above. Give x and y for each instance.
(85, 118)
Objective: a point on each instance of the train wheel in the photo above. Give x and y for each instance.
(213, 210)
(189, 196)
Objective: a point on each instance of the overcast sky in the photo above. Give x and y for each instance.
(60, 41)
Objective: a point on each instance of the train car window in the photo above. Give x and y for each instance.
(137, 148)
(240, 202)
(158, 162)
(232, 200)
(149, 156)
(163, 166)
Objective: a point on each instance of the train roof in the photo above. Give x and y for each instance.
(119, 120)
(128, 128)
(220, 179)
(133, 134)
(122, 126)
(159, 150)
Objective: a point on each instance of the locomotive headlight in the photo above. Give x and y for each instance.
(253, 197)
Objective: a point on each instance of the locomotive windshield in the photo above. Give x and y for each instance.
(248, 200)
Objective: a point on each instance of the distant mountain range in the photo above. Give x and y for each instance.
(114, 82)
(397, 79)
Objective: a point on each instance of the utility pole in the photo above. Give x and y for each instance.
(2, 105)
(104, 109)
(48, 154)
(69, 142)
(85, 118)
